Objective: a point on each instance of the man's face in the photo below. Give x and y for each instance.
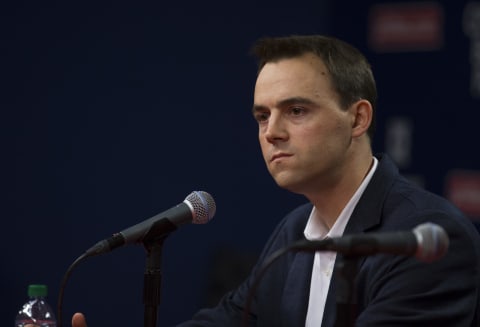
(304, 134)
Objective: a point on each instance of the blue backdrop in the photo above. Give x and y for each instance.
(114, 112)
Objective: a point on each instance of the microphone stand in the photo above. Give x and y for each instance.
(152, 281)
(346, 293)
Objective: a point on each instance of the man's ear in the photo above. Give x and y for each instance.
(362, 113)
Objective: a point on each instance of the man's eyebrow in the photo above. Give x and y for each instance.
(295, 100)
(284, 103)
(258, 108)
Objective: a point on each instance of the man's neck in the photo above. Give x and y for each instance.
(330, 201)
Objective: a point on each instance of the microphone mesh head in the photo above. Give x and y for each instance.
(203, 206)
(432, 242)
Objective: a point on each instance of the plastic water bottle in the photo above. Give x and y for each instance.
(36, 310)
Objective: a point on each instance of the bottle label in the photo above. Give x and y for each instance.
(37, 323)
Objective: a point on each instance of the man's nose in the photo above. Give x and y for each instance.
(276, 129)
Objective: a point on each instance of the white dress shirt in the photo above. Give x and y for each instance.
(324, 261)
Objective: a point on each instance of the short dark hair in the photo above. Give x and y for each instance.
(350, 73)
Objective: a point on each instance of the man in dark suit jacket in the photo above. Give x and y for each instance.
(315, 107)
(392, 290)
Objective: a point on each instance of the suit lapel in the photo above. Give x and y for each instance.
(366, 215)
(297, 290)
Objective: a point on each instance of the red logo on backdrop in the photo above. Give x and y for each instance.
(406, 26)
(463, 190)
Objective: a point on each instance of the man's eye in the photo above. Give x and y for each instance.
(296, 111)
(261, 117)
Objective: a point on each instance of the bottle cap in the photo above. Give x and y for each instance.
(37, 290)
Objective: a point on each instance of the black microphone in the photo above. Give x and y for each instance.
(197, 208)
(427, 242)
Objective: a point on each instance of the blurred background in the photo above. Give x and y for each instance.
(114, 111)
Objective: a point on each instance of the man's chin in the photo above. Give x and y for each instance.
(289, 185)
